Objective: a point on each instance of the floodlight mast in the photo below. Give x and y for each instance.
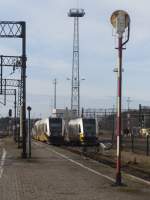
(76, 13)
(120, 21)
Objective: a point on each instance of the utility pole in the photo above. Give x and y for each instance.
(140, 116)
(55, 84)
(128, 102)
(15, 116)
(10, 122)
(23, 80)
(75, 89)
(29, 131)
(120, 21)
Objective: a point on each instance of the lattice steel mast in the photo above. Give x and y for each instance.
(75, 90)
(12, 29)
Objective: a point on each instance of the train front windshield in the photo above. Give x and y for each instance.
(56, 126)
(89, 126)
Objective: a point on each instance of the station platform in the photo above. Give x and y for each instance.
(54, 173)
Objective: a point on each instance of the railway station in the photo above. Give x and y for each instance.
(69, 128)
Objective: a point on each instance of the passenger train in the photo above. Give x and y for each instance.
(81, 131)
(49, 130)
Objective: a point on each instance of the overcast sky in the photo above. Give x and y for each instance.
(49, 52)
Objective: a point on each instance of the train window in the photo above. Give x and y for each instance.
(89, 127)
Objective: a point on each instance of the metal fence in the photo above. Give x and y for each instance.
(133, 138)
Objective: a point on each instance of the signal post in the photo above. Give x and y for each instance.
(120, 21)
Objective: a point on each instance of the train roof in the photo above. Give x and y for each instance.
(47, 120)
(80, 120)
(41, 121)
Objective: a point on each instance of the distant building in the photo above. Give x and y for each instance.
(58, 113)
(63, 113)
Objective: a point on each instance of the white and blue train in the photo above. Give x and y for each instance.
(49, 130)
(82, 131)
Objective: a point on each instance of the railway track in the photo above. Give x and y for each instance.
(130, 168)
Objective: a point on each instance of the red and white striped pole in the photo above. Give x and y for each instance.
(120, 20)
(119, 102)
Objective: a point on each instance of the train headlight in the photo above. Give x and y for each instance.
(81, 137)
